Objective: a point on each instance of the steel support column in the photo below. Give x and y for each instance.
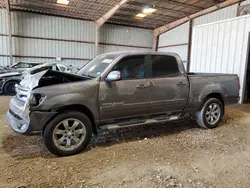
(9, 31)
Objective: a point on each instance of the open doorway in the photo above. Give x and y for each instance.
(247, 86)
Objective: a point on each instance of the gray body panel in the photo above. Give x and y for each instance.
(125, 99)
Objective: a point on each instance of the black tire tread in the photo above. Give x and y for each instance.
(5, 88)
(199, 115)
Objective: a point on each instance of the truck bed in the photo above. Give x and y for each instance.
(202, 84)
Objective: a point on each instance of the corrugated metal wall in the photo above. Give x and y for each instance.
(175, 40)
(4, 46)
(247, 2)
(39, 37)
(225, 13)
(221, 47)
(128, 36)
(3, 21)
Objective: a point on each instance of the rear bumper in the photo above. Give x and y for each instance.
(232, 100)
(27, 124)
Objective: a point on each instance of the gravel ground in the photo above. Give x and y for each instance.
(179, 154)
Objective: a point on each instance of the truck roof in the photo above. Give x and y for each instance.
(141, 53)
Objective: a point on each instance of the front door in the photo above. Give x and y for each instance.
(128, 97)
(169, 88)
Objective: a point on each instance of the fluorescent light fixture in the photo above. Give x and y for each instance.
(140, 15)
(149, 10)
(64, 2)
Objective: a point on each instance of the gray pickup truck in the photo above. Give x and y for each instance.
(116, 90)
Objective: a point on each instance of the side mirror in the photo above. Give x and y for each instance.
(113, 76)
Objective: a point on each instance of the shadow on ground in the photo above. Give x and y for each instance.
(23, 147)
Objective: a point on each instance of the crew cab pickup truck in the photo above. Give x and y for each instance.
(116, 90)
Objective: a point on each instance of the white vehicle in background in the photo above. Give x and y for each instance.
(10, 79)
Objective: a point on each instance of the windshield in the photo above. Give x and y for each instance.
(96, 66)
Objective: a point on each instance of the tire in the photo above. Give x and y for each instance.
(203, 116)
(9, 88)
(57, 143)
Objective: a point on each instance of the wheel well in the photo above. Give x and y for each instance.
(8, 81)
(217, 96)
(83, 109)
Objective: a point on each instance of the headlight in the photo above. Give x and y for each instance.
(36, 99)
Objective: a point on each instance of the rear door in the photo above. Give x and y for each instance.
(130, 96)
(169, 88)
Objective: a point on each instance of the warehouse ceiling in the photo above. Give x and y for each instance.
(166, 12)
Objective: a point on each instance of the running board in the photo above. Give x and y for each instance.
(145, 122)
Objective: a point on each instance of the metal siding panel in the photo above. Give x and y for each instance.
(110, 48)
(48, 48)
(214, 45)
(207, 61)
(226, 47)
(3, 21)
(74, 63)
(116, 34)
(38, 25)
(225, 13)
(178, 35)
(230, 46)
(247, 2)
(4, 61)
(220, 45)
(180, 50)
(4, 45)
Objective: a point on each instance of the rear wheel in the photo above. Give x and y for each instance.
(9, 88)
(211, 113)
(68, 133)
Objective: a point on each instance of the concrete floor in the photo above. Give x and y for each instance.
(179, 154)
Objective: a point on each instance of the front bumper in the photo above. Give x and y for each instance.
(34, 122)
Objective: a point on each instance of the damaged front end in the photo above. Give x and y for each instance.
(20, 117)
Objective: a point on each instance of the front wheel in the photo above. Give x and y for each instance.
(211, 113)
(68, 133)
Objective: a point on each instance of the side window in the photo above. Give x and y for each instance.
(22, 65)
(17, 65)
(164, 66)
(132, 67)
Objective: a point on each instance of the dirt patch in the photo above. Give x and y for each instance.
(178, 154)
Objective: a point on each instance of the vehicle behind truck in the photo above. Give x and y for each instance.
(113, 91)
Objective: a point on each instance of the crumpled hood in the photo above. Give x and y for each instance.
(31, 81)
(47, 78)
(9, 74)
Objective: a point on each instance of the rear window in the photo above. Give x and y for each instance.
(164, 66)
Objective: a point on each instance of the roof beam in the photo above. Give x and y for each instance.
(176, 23)
(110, 13)
(134, 23)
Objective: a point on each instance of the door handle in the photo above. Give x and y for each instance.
(181, 84)
(142, 86)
